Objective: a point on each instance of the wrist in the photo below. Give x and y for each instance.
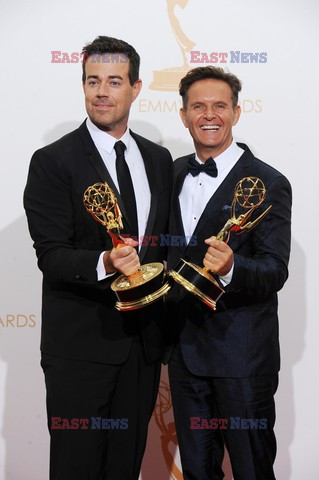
(108, 264)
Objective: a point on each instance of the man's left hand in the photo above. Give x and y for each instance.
(219, 257)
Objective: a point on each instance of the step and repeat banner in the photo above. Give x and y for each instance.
(271, 47)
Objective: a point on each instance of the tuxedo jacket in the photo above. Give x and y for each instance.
(79, 320)
(240, 338)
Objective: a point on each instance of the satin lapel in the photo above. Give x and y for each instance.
(97, 162)
(214, 214)
(150, 173)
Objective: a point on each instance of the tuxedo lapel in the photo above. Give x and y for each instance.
(217, 210)
(98, 164)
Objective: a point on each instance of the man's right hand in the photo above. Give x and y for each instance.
(125, 260)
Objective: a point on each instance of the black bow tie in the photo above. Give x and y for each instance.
(208, 167)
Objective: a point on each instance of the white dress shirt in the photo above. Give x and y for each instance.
(104, 142)
(197, 191)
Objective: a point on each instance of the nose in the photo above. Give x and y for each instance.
(103, 90)
(209, 113)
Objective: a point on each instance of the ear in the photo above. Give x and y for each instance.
(237, 112)
(136, 89)
(182, 114)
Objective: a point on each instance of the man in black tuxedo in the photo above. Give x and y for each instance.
(99, 364)
(224, 365)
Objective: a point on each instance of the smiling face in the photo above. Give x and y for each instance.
(210, 116)
(109, 95)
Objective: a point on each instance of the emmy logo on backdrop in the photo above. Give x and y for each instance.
(168, 79)
(249, 193)
(168, 431)
(145, 286)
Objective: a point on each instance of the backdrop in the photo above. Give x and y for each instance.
(271, 47)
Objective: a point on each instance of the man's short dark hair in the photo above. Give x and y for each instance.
(202, 73)
(104, 44)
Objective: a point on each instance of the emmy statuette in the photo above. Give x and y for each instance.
(168, 79)
(249, 193)
(143, 287)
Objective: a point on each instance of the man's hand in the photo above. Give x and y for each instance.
(219, 257)
(124, 259)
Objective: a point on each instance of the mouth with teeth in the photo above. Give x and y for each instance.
(212, 128)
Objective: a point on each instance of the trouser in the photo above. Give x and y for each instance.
(243, 411)
(117, 398)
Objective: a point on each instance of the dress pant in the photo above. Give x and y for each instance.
(82, 390)
(251, 450)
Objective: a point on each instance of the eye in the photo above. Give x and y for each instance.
(92, 83)
(115, 82)
(220, 106)
(197, 106)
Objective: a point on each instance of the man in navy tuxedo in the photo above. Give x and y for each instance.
(101, 366)
(224, 364)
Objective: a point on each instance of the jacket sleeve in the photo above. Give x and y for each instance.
(62, 255)
(265, 269)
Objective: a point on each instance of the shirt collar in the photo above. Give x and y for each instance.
(103, 139)
(228, 156)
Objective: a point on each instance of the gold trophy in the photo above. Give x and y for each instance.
(142, 287)
(168, 79)
(249, 193)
